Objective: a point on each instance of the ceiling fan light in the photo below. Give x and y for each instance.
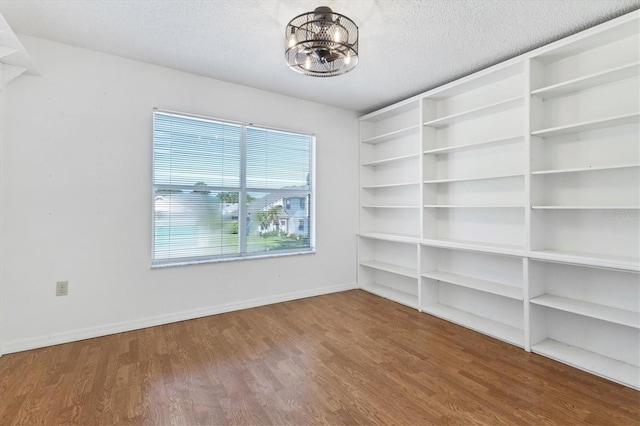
(321, 43)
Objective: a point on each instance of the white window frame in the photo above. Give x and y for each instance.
(243, 190)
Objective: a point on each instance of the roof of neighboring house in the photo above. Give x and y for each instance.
(277, 199)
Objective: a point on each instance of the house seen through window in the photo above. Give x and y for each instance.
(226, 190)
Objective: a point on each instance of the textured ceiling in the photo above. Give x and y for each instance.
(406, 46)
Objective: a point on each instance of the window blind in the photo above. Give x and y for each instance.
(224, 190)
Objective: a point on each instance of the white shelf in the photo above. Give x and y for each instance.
(592, 310)
(390, 160)
(585, 207)
(616, 262)
(390, 185)
(476, 284)
(586, 169)
(475, 246)
(390, 207)
(609, 368)
(392, 135)
(487, 326)
(588, 125)
(474, 145)
(592, 80)
(400, 238)
(388, 267)
(473, 178)
(391, 294)
(477, 112)
(457, 206)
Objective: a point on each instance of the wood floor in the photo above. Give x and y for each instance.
(345, 358)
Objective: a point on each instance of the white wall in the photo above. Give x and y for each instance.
(76, 170)
(1, 204)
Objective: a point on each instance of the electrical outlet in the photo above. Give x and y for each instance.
(62, 288)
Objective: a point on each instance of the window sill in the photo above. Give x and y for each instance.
(186, 262)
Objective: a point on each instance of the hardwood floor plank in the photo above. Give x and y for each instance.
(345, 358)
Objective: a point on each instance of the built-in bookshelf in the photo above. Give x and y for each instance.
(509, 201)
(475, 289)
(389, 269)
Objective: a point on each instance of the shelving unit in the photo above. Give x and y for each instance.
(390, 173)
(584, 148)
(518, 188)
(389, 269)
(475, 289)
(480, 226)
(575, 316)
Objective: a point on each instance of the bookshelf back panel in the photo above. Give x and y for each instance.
(391, 123)
(496, 308)
(492, 226)
(616, 289)
(390, 221)
(617, 187)
(404, 145)
(500, 269)
(491, 126)
(488, 161)
(392, 196)
(480, 97)
(597, 148)
(391, 252)
(604, 232)
(601, 337)
(390, 280)
(504, 191)
(391, 173)
(591, 61)
(593, 104)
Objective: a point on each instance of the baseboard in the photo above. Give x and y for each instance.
(91, 332)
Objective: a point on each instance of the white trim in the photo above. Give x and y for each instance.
(120, 327)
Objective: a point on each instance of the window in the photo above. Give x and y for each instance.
(222, 190)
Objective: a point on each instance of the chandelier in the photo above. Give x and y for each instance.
(321, 43)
